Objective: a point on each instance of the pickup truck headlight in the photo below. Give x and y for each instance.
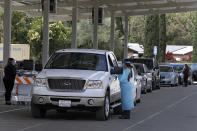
(95, 84)
(40, 82)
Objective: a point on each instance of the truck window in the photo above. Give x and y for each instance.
(79, 61)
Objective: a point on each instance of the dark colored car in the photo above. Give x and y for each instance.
(153, 67)
(146, 77)
(194, 71)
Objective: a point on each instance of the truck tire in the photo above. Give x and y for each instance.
(37, 112)
(103, 112)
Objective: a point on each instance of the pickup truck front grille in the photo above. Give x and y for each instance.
(66, 84)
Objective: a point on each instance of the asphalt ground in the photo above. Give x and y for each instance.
(167, 109)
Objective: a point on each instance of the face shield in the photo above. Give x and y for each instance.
(13, 62)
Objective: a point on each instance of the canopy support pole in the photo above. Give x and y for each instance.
(45, 48)
(74, 24)
(7, 30)
(126, 37)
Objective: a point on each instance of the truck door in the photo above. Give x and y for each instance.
(114, 82)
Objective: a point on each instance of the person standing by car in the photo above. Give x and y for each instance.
(126, 91)
(186, 74)
(9, 78)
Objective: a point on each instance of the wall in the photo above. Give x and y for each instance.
(18, 51)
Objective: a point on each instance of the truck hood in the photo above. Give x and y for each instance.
(68, 73)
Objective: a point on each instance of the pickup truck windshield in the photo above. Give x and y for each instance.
(79, 61)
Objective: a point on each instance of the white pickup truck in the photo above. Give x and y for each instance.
(78, 79)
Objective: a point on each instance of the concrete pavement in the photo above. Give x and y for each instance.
(168, 109)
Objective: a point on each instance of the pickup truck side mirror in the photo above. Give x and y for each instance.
(116, 70)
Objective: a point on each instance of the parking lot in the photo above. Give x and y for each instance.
(167, 109)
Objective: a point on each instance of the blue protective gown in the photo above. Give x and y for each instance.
(126, 90)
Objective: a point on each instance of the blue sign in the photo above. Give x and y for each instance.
(155, 50)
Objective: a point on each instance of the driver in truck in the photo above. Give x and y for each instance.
(126, 91)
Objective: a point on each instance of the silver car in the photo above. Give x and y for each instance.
(136, 81)
(146, 77)
(168, 75)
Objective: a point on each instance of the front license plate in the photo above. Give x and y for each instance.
(63, 103)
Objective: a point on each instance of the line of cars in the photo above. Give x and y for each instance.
(87, 80)
(172, 74)
(146, 76)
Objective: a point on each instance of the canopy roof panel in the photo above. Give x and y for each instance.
(33, 8)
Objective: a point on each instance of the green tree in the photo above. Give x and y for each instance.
(84, 34)
(59, 37)
(194, 54)
(20, 27)
(151, 34)
(180, 28)
(162, 38)
(34, 39)
(136, 29)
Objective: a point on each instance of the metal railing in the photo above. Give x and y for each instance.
(2, 90)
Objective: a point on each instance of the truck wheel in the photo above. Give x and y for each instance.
(118, 110)
(103, 112)
(37, 112)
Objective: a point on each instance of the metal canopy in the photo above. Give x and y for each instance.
(33, 8)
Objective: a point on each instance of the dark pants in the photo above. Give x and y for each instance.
(185, 80)
(9, 84)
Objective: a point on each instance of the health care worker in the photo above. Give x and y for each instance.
(9, 78)
(126, 91)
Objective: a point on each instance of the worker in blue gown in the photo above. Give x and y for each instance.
(126, 91)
